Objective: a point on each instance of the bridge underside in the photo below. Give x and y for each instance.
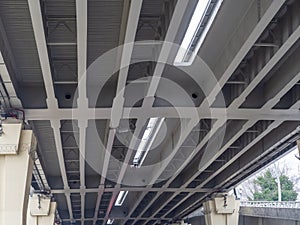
(223, 119)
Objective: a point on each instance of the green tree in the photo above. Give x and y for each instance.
(267, 189)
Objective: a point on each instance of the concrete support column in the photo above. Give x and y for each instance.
(222, 210)
(16, 165)
(41, 211)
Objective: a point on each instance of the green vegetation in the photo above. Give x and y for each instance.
(267, 188)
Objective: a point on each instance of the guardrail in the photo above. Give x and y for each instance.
(266, 204)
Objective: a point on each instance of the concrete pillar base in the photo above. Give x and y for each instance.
(41, 211)
(222, 210)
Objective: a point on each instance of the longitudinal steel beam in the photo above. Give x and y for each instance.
(118, 103)
(40, 39)
(244, 48)
(149, 99)
(39, 33)
(267, 68)
(55, 124)
(81, 18)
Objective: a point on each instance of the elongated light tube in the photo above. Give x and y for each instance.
(147, 140)
(192, 40)
(121, 198)
(110, 221)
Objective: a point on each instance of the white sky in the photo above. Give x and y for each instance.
(291, 162)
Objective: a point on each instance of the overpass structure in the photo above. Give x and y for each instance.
(139, 115)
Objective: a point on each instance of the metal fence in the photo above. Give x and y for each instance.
(268, 204)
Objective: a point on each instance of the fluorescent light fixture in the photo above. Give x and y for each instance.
(110, 221)
(121, 197)
(147, 140)
(196, 31)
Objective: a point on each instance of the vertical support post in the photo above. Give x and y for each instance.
(16, 165)
(222, 210)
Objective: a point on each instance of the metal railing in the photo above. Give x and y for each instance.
(269, 204)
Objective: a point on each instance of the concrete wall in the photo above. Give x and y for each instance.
(261, 216)
(248, 220)
(278, 213)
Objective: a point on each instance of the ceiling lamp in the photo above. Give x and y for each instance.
(110, 221)
(121, 197)
(147, 140)
(200, 23)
